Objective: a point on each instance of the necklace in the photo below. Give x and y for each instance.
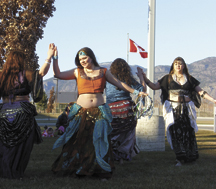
(179, 78)
(89, 71)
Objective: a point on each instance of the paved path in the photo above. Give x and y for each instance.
(205, 127)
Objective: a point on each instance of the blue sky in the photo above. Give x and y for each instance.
(184, 28)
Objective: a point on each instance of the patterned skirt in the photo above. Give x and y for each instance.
(183, 135)
(123, 138)
(86, 144)
(18, 132)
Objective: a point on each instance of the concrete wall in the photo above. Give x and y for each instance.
(150, 133)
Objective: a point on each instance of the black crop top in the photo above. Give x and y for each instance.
(167, 83)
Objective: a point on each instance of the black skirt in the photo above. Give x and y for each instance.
(18, 133)
(183, 135)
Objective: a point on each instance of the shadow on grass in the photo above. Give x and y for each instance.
(146, 170)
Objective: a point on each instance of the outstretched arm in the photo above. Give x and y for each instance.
(45, 67)
(204, 94)
(66, 75)
(111, 79)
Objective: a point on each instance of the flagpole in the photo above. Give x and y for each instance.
(151, 45)
(128, 48)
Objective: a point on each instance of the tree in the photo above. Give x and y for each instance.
(43, 102)
(51, 101)
(21, 26)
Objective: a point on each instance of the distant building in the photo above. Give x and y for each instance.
(63, 98)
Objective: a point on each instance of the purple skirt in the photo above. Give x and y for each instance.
(123, 136)
(18, 132)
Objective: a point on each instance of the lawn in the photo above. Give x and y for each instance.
(146, 170)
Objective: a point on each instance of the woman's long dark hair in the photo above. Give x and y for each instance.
(89, 53)
(122, 71)
(185, 70)
(11, 68)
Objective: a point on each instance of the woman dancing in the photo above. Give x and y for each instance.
(124, 122)
(179, 110)
(86, 142)
(18, 127)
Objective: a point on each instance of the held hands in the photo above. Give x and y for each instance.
(51, 51)
(45, 67)
(144, 76)
(147, 81)
(139, 72)
(56, 51)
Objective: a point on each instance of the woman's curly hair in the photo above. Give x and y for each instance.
(122, 71)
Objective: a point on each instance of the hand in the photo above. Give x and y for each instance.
(51, 51)
(139, 72)
(56, 51)
(144, 75)
(143, 94)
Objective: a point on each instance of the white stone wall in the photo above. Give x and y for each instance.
(150, 133)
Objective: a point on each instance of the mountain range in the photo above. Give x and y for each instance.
(203, 70)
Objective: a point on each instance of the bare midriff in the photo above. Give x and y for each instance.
(175, 98)
(90, 100)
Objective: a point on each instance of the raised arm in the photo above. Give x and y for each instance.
(204, 94)
(45, 67)
(139, 74)
(66, 75)
(111, 79)
(153, 86)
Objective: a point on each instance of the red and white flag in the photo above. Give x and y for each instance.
(136, 48)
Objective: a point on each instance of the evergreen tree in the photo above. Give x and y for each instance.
(21, 26)
(51, 101)
(42, 104)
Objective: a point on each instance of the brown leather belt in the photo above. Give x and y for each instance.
(16, 98)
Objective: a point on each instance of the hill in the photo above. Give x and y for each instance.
(203, 70)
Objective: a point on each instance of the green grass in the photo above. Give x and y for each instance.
(46, 117)
(146, 170)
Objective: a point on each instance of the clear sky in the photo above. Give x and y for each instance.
(184, 28)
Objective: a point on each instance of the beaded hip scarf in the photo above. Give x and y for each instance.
(121, 109)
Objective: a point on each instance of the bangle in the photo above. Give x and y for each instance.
(136, 92)
(55, 57)
(204, 92)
